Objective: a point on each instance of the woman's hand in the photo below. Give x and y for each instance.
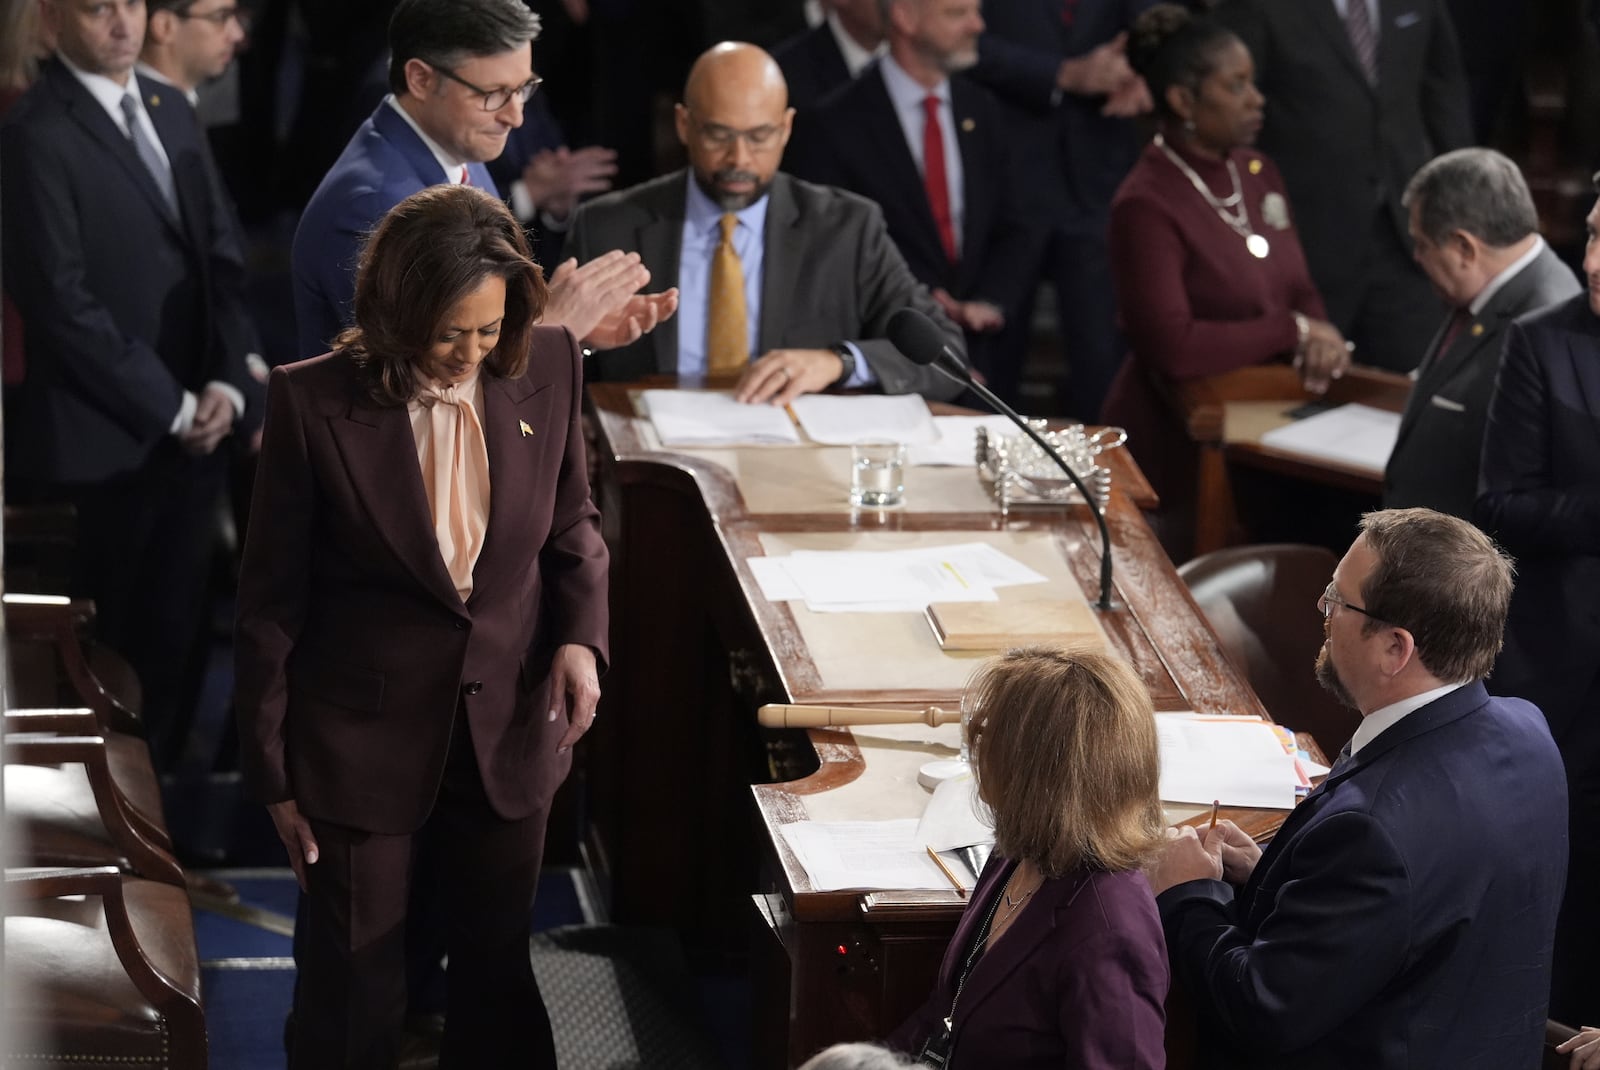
(1323, 358)
(295, 832)
(574, 691)
(1584, 1049)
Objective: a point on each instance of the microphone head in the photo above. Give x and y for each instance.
(916, 336)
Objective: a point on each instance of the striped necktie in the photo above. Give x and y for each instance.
(1363, 37)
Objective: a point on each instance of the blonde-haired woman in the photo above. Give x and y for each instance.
(1059, 959)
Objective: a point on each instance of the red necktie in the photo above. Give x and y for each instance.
(466, 176)
(1458, 322)
(933, 175)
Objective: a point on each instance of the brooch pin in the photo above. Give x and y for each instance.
(1275, 211)
(526, 430)
(155, 100)
(968, 126)
(1477, 329)
(1255, 167)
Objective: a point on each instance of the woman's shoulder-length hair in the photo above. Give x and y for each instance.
(426, 254)
(1064, 749)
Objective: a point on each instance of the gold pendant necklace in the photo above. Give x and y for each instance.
(1230, 210)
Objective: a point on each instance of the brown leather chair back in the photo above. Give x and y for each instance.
(1262, 603)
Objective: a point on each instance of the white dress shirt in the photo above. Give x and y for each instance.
(1512, 270)
(1380, 720)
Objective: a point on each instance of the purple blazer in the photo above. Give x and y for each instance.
(1078, 981)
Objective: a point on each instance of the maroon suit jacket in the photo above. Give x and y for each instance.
(1077, 983)
(353, 648)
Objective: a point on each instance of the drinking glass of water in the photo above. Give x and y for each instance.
(877, 474)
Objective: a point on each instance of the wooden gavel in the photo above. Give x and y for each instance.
(780, 716)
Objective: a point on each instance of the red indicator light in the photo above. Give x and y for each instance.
(842, 950)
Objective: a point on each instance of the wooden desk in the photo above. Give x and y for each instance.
(1226, 415)
(697, 647)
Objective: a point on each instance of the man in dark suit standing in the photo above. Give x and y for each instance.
(787, 285)
(1404, 914)
(1541, 497)
(1475, 232)
(121, 255)
(936, 152)
(460, 71)
(830, 54)
(1376, 85)
(1061, 65)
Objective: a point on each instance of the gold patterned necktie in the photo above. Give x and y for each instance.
(727, 323)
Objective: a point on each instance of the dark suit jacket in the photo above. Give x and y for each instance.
(353, 647)
(1435, 459)
(1078, 981)
(1323, 109)
(124, 307)
(1404, 915)
(812, 65)
(1541, 498)
(384, 163)
(855, 141)
(1019, 55)
(830, 274)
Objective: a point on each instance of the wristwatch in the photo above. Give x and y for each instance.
(847, 359)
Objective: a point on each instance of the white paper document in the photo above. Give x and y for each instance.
(708, 418)
(1356, 435)
(955, 816)
(889, 581)
(864, 854)
(844, 420)
(1237, 760)
(957, 444)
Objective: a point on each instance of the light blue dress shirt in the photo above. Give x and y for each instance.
(702, 231)
(906, 94)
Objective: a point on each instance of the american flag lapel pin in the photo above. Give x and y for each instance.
(526, 430)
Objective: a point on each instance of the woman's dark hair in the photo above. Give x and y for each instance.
(428, 253)
(1169, 46)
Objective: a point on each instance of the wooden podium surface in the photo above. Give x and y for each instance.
(687, 608)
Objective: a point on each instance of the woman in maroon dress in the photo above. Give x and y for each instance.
(1209, 272)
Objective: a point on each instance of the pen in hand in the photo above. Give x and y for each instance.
(1215, 803)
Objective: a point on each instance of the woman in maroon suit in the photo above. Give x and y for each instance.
(1059, 960)
(421, 612)
(1209, 273)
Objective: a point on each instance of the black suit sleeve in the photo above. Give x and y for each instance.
(1520, 501)
(886, 285)
(1022, 225)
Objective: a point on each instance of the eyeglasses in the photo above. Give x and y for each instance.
(220, 17)
(495, 99)
(1331, 597)
(718, 138)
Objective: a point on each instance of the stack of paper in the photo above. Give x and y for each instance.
(889, 581)
(706, 418)
(1238, 760)
(864, 854)
(1356, 435)
(844, 420)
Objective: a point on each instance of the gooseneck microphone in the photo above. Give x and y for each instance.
(922, 342)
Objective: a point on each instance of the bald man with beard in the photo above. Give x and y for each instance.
(787, 285)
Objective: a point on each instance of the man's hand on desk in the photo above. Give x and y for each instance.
(1186, 858)
(975, 316)
(784, 374)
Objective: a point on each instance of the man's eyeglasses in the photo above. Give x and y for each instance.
(220, 17)
(1331, 597)
(495, 99)
(718, 138)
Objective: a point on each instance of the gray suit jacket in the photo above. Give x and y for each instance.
(830, 275)
(1435, 459)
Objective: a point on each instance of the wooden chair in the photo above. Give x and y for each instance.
(1204, 407)
(1262, 603)
(101, 970)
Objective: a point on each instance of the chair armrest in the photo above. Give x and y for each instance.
(146, 857)
(168, 994)
(78, 722)
(58, 624)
